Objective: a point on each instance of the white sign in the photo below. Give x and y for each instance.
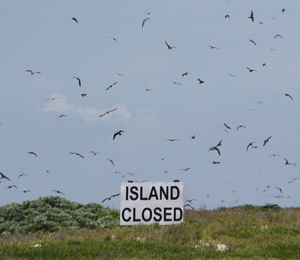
(151, 202)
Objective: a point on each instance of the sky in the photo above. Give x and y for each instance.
(46, 113)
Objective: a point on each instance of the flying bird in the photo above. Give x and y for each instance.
(112, 85)
(114, 39)
(288, 95)
(240, 126)
(107, 112)
(176, 83)
(33, 153)
(278, 189)
(186, 169)
(270, 206)
(251, 16)
(112, 196)
(77, 154)
(25, 191)
(227, 126)
(250, 145)
(185, 74)
(4, 177)
(264, 65)
(227, 16)
(216, 149)
(74, 19)
(283, 10)
(252, 42)
(200, 81)
(23, 174)
(118, 133)
(169, 47)
(267, 140)
(172, 140)
(32, 72)
(57, 191)
(52, 98)
(79, 81)
(83, 94)
(147, 89)
(251, 70)
(11, 186)
(219, 144)
(145, 21)
(231, 75)
(287, 162)
(95, 153)
(278, 35)
(212, 47)
(111, 161)
(61, 116)
(215, 162)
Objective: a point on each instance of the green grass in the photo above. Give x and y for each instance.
(248, 232)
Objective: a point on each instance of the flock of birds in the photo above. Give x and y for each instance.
(215, 148)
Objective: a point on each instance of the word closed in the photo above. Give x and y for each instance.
(151, 202)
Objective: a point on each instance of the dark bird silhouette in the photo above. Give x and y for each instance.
(107, 112)
(193, 137)
(283, 10)
(143, 23)
(33, 72)
(185, 74)
(274, 155)
(267, 140)
(186, 169)
(212, 47)
(4, 177)
(23, 174)
(176, 83)
(287, 162)
(169, 47)
(61, 116)
(57, 191)
(227, 126)
(252, 42)
(111, 161)
(118, 133)
(120, 74)
(231, 75)
(278, 35)
(147, 89)
(251, 16)
(250, 145)
(216, 149)
(25, 191)
(83, 94)
(112, 85)
(74, 19)
(240, 127)
(251, 70)
(79, 81)
(287, 95)
(219, 144)
(95, 153)
(77, 154)
(52, 98)
(112, 196)
(227, 16)
(264, 65)
(114, 39)
(33, 153)
(278, 189)
(215, 162)
(200, 81)
(270, 206)
(172, 140)
(11, 186)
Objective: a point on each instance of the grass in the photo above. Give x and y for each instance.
(247, 232)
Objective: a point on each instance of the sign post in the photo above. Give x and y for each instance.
(151, 202)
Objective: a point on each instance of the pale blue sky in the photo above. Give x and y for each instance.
(40, 36)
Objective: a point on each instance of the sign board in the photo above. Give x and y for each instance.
(151, 202)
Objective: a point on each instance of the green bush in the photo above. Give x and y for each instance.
(49, 214)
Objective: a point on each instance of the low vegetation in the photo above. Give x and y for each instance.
(55, 228)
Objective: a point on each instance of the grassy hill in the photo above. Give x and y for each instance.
(55, 228)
